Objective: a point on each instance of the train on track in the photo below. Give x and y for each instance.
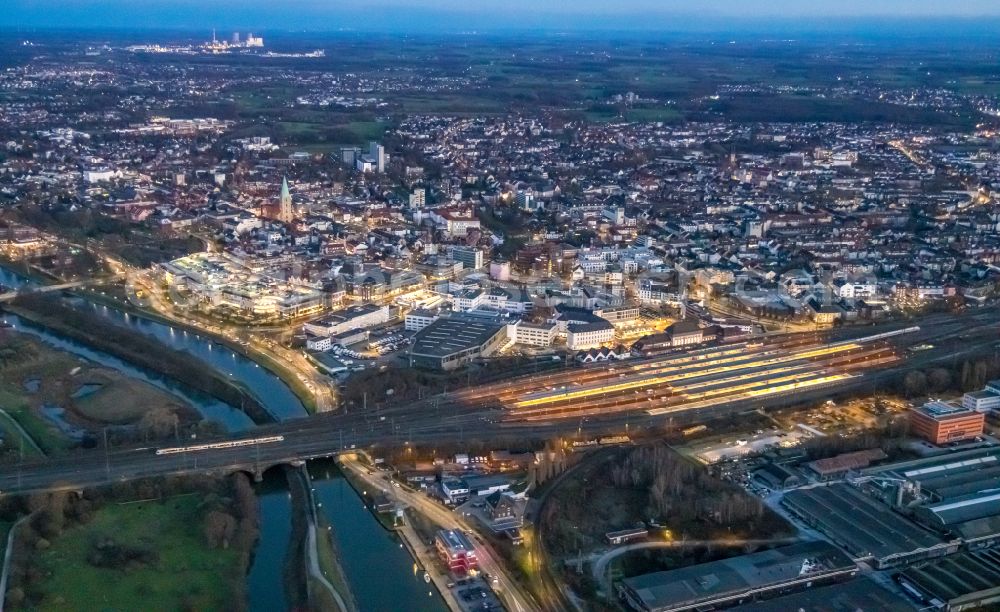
(220, 445)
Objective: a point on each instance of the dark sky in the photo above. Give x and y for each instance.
(493, 15)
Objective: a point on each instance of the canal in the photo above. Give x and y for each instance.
(381, 572)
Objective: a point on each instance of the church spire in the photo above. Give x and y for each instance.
(285, 212)
(286, 195)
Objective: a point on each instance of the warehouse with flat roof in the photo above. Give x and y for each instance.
(865, 527)
(851, 596)
(960, 492)
(960, 582)
(737, 580)
(452, 342)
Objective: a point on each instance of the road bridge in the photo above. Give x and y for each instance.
(36, 289)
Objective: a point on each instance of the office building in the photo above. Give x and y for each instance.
(580, 336)
(532, 334)
(940, 422)
(471, 258)
(350, 155)
(419, 318)
(377, 154)
(986, 400)
(456, 551)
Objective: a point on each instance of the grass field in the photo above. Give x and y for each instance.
(41, 431)
(12, 438)
(527, 74)
(187, 574)
(4, 532)
(330, 135)
(120, 399)
(602, 114)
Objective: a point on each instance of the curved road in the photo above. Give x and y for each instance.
(600, 568)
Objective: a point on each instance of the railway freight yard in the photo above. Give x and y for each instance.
(689, 380)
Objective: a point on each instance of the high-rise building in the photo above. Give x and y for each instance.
(525, 200)
(236, 38)
(349, 155)
(377, 153)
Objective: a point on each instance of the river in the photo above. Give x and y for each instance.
(380, 571)
(232, 418)
(265, 582)
(273, 393)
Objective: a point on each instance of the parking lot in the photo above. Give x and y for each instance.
(475, 594)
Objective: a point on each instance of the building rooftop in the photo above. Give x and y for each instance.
(449, 335)
(581, 328)
(957, 579)
(942, 410)
(455, 541)
(687, 326)
(846, 461)
(941, 465)
(736, 575)
(862, 525)
(860, 594)
(970, 507)
(348, 313)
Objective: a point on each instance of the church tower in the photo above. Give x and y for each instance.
(285, 213)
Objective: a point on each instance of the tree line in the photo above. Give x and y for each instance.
(966, 375)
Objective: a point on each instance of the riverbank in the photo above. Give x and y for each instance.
(298, 388)
(50, 313)
(329, 562)
(294, 573)
(14, 275)
(382, 573)
(329, 587)
(428, 563)
(367, 498)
